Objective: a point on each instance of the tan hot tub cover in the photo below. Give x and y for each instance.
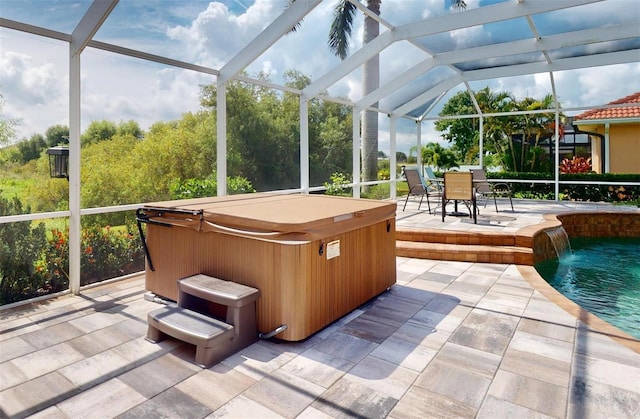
(297, 217)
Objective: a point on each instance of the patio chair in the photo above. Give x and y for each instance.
(417, 187)
(485, 188)
(458, 186)
(432, 179)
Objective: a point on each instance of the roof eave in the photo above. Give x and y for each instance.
(606, 121)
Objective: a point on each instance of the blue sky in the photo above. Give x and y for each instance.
(34, 71)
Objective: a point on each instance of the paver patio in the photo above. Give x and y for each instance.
(449, 339)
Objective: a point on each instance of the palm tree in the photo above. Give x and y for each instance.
(339, 34)
(439, 157)
(498, 130)
(536, 127)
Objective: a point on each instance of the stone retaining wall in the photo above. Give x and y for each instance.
(584, 224)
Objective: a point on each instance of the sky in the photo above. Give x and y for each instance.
(34, 71)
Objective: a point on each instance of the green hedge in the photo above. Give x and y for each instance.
(578, 192)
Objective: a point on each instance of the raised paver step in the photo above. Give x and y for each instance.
(457, 237)
(465, 253)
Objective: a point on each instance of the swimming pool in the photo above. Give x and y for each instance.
(602, 275)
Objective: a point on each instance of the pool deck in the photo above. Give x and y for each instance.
(449, 339)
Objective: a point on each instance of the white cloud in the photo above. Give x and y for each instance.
(28, 81)
(606, 12)
(532, 85)
(32, 88)
(354, 91)
(269, 69)
(217, 34)
(598, 85)
(147, 94)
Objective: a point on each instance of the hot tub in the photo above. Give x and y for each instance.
(314, 258)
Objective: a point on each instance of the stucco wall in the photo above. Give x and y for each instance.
(624, 146)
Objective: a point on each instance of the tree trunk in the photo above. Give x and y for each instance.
(513, 153)
(370, 82)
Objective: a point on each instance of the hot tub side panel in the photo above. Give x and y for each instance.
(299, 286)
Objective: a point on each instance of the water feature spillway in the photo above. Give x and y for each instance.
(560, 241)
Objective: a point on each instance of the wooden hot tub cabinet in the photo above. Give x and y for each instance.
(314, 258)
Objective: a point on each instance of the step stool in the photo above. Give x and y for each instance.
(199, 297)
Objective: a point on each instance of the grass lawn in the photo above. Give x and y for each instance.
(12, 185)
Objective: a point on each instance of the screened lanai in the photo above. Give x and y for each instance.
(145, 60)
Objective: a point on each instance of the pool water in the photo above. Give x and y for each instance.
(602, 275)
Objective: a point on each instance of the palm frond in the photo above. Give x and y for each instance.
(341, 26)
(297, 25)
(456, 4)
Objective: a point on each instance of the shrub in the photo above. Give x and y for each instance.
(575, 165)
(384, 174)
(105, 253)
(588, 190)
(34, 263)
(21, 246)
(193, 188)
(108, 253)
(338, 185)
(199, 188)
(239, 185)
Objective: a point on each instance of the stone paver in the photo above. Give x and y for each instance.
(534, 394)
(171, 403)
(216, 386)
(156, 376)
(106, 400)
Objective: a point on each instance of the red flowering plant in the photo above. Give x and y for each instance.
(105, 253)
(57, 259)
(108, 253)
(575, 165)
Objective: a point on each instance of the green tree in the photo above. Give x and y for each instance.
(511, 141)
(7, 126)
(43, 192)
(263, 131)
(498, 130)
(98, 131)
(263, 142)
(131, 128)
(461, 132)
(330, 132)
(535, 128)
(331, 150)
(433, 154)
(169, 151)
(57, 135)
(32, 148)
(249, 129)
(104, 172)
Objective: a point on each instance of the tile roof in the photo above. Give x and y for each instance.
(615, 113)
